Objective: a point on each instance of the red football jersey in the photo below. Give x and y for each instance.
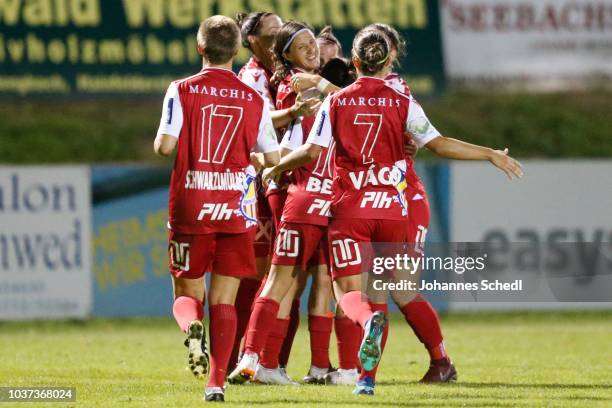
(285, 98)
(367, 120)
(415, 184)
(218, 120)
(257, 76)
(310, 190)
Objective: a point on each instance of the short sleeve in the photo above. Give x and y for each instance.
(294, 136)
(321, 132)
(260, 84)
(172, 113)
(419, 125)
(266, 137)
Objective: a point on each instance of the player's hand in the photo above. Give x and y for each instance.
(302, 81)
(410, 148)
(507, 164)
(305, 107)
(270, 174)
(257, 161)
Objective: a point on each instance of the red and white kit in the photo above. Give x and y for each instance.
(277, 192)
(257, 76)
(367, 120)
(302, 236)
(212, 202)
(418, 214)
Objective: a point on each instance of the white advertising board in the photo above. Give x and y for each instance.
(559, 213)
(551, 41)
(45, 242)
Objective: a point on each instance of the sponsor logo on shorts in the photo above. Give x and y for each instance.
(346, 252)
(179, 255)
(287, 243)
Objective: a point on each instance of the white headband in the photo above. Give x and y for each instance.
(286, 47)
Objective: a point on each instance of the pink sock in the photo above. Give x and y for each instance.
(185, 310)
(356, 307)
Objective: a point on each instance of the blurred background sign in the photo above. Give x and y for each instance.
(130, 235)
(45, 240)
(95, 47)
(542, 45)
(553, 226)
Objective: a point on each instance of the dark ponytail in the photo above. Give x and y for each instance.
(287, 31)
(372, 49)
(250, 24)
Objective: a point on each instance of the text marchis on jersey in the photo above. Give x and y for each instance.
(222, 92)
(363, 101)
(214, 180)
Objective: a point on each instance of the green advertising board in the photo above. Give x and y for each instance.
(136, 47)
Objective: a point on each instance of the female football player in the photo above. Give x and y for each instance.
(258, 30)
(368, 122)
(211, 223)
(418, 312)
(329, 46)
(300, 244)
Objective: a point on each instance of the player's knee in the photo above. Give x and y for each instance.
(188, 287)
(278, 284)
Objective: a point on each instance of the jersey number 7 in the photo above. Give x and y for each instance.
(374, 123)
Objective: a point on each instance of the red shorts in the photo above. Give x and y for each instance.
(269, 211)
(418, 222)
(264, 236)
(300, 244)
(225, 254)
(350, 249)
(276, 201)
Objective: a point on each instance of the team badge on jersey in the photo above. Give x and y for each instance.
(398, 176)
(248, 201)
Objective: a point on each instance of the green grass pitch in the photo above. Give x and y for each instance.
(554, 359)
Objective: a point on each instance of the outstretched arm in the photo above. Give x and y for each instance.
(458, 150)
(425, 134)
